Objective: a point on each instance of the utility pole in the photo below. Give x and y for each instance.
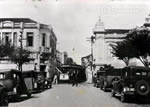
(21, 46)
(92, 42)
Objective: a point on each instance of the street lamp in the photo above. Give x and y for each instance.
(21, 46)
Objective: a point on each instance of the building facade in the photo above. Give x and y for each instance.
(62, 57)
(102, 51)
(36, 37)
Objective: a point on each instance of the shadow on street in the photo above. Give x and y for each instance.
(20, 99)
(133, 100)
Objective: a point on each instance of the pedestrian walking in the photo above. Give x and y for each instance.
(55, 81)
(35, 67)
(75, 78)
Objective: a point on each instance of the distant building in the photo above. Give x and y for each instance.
(86, 60)
(62, 57)
(147, 22)
(103, 38)
(38, 38)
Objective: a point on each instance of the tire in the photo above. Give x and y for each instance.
(142, 88)
(112, 93)
(105, 84)
(101, 87)
(123, 97)
(50, 86)
(105, 89)
(29, 94)
(4, 99)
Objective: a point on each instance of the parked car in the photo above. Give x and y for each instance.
(13, 82)
(100, 79)
(42, 82)
(112, 74)
(30, 79)
(135, 82)
(3, 96)
(95, 78)
(48, 83)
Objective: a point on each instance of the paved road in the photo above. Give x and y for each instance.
(64, 95)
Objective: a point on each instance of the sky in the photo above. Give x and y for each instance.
(73, 20)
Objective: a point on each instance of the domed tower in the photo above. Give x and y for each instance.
(147, 21)
(99, 27)
(99, 45)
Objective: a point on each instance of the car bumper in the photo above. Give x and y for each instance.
(129, 91)
(12, 93)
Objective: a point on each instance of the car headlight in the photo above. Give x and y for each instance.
(35, 85)
(46, 82)
(15, 90)
(125, 89)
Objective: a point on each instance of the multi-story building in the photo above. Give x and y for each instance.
(102, 51)
(37, 38)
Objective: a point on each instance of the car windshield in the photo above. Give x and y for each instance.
(141, 73)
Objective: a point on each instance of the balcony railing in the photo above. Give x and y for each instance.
(46, 49)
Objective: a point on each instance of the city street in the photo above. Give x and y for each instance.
(64, 95)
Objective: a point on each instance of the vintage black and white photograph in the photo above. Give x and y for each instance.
(74, 53)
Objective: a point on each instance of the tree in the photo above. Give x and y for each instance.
(124, 51)
(13, 53)
(140, 40)
(5, 49)
(19, 58)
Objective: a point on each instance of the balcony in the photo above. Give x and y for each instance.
(46, 49)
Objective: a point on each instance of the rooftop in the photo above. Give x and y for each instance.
(25, 20)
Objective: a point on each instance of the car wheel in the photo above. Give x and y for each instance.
(122, 97)
(105, 84)
(112, 93)
(105, 89)
(4, 99)
(50, 86)
(142, 88)
(29, 94)
(101, 87)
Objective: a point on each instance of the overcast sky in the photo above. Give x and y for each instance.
(73, 20)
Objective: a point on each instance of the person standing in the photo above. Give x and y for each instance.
(75, 78)
(35, 67)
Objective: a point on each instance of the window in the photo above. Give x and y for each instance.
(6, 39)
(6, 36)
(44, 39)
(15, 38)
(30, 39)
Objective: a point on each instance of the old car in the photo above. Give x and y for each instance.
(3, 96)
(48, 83)
(112, 74)
(134, 82)
(14, 83)
(29, 78)
(41, 82)
(100, 79)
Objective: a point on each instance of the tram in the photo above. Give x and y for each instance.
(67, 70)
